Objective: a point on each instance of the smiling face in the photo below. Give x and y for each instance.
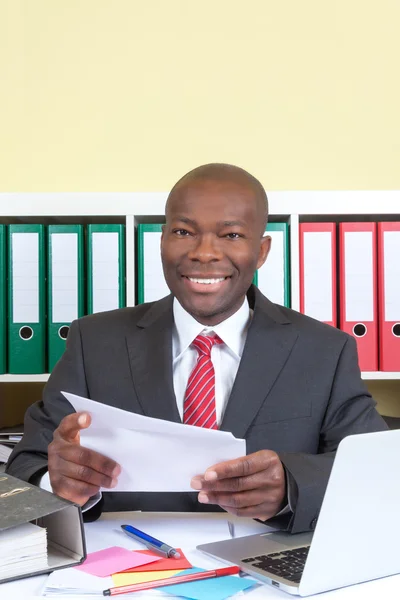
(212, 244)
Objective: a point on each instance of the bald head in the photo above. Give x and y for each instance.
(213, 240)
(223, 173)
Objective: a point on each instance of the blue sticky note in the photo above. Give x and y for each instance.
(216, 588)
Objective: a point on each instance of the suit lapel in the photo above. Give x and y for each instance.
(150, 355)
(269, 342)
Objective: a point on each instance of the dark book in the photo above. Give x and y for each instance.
(39, 532)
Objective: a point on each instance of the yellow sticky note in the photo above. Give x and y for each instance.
(142, 577)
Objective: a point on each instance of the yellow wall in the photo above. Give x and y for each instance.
(127, 95)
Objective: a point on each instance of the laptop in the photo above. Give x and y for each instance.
(357, 534)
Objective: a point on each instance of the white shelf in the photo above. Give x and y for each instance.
(43, 377)
(338, 202)
(381, 375)
(24, 378)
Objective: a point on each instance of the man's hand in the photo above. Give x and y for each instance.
(250, 486)
(77, 473)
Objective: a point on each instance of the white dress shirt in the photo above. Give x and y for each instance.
(225, 357)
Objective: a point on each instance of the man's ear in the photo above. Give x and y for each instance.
(162, 232)
(265, 246)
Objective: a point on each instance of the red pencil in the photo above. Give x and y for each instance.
(138, 587)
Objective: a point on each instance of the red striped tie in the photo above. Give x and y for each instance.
(199, 405)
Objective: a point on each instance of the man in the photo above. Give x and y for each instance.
(288, 384)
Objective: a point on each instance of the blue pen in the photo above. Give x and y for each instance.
(150, 542)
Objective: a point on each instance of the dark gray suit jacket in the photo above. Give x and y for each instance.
(298, 391)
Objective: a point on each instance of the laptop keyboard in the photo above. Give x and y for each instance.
(288, 564)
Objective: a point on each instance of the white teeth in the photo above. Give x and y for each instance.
(206, 281)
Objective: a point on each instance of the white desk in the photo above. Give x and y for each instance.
(187, 530)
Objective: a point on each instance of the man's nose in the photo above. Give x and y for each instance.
(207, 248)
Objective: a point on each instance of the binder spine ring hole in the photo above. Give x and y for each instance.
(359, 330)
(396, 329)
(26, 332)
(63, 332)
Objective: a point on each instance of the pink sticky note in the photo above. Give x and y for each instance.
(112, 560)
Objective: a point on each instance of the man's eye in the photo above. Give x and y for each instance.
(233, 236)
(181, 232)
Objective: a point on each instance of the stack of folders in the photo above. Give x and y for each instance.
(43, 287)
(5, 452)
(367, 280)
(23, 549)
(272, 278)
(8, 439)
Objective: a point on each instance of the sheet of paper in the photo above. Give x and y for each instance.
(153, 453)
(131, 578)
(77, 584)
(165, 564)
(71, 581)
(111, 560)
(217, 588)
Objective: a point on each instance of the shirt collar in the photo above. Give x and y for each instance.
(232, 331)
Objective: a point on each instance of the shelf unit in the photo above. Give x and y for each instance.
(148, 207)
(43, 377)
